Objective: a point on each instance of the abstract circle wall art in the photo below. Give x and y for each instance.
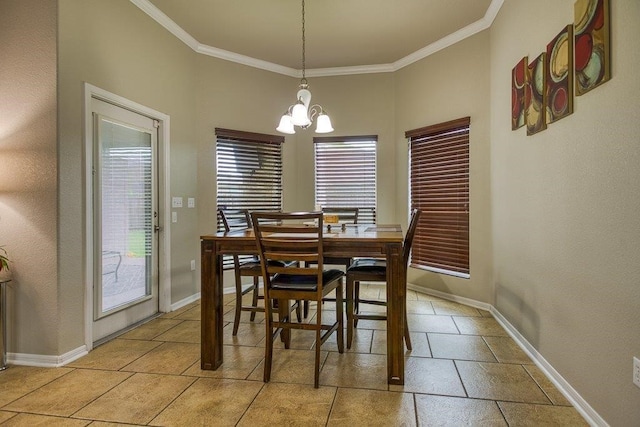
(534, 95)
(518, 81)
(559, 82)
(592, 44)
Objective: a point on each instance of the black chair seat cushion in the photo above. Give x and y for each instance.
(368, 265)
(303, 282)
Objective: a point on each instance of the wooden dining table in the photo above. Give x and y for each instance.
(354, 240)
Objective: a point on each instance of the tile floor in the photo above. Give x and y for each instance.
(464, 370)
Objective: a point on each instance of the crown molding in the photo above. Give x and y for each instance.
(492, 11)
(453, 38)
(156, 14)
(245, 60)
(344, 71)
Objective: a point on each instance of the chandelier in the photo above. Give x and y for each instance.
(301, 114)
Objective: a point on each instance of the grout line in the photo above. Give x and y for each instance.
(196, 378)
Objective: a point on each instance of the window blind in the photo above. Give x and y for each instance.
(345, 169)
(439, 185)
(126, 188)
(249, 170)
(249, 173)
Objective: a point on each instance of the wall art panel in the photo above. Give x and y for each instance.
(592, 46)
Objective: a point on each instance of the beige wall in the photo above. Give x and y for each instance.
(357, 105)
(234, 96)
(237, 97)
(28, 182)
(450, 84)
(565, 202)
(554, 228)
(116, 47)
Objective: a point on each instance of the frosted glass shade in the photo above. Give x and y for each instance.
(286, 126)
(324, 124)
(299, 115)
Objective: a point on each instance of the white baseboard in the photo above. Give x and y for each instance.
(450, 297)
(46, 361)
(186, 301)
(43, 361)
(581, 405)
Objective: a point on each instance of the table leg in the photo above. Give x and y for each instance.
(211, 300)
(396, 300)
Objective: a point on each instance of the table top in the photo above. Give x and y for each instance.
(378, 232)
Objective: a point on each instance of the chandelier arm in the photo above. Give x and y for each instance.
(314, 111)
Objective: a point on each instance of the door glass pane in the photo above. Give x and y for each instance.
(126, 214)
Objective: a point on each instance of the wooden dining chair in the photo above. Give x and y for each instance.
(345, 215)
(283, 237)
(246, 266)
(375, 270)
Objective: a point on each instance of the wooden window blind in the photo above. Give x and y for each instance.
(439, 185)
(345, 170)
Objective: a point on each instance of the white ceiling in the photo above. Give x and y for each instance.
(342, 36)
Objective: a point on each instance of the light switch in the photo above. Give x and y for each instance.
(174, 216)
(176, 202)
(191, 202)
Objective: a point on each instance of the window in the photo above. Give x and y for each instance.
(346, 174)
(439, 185)
(249, 170)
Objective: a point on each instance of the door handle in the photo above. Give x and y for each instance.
(157, 228)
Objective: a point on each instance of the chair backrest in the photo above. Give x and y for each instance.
(348, 215)
(282, 236)
(235, 219)
(408, 238)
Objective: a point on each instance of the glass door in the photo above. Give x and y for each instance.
(125, 219)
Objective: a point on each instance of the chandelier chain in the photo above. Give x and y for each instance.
(302, 112)
(303, 46)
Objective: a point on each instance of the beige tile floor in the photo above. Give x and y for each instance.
(464, 370)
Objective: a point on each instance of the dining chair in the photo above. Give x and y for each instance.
(346, 215)
(247, 266)
(375, 270)
(284, 237)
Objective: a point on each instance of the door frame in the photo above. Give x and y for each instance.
(164, 200)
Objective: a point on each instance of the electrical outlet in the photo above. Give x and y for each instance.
(193, 265)
(191, 202)
(636, 371)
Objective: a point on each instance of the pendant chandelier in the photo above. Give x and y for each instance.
(301, 114)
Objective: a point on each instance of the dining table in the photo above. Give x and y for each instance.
(352, 240)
